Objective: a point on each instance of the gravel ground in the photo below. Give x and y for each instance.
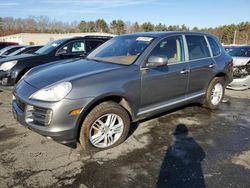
(190, 147)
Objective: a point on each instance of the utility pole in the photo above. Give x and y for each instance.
(235, 34)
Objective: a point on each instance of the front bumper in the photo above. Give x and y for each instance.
(62, 128)
(240, 83)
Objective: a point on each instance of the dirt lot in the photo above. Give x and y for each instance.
(191, 147)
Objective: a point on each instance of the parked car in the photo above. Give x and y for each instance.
(13, 68)
(128, 78)
(9, 49)
(5, 44)
(241, 73)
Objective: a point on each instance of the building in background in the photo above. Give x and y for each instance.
(43, 38)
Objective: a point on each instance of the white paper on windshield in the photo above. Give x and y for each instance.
(55, 44)
(146, 39)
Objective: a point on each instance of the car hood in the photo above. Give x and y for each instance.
(67, 71)
(240, 61)
(18, 57)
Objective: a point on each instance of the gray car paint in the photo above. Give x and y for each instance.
(147, 91)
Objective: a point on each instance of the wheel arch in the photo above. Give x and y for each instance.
(118, 98)
(21, 73)
(224, 75)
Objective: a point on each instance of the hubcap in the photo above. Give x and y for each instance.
(217, 94)
(106, 130)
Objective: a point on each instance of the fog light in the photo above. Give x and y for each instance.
(75, 112)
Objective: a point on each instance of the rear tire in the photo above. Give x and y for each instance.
(215, 93)
(106, 126)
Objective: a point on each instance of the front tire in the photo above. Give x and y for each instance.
(215, 93)
(106, 126)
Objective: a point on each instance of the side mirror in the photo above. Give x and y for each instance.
(157, 61)
(62, 52)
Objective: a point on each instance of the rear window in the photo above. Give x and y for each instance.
(197, 47)
(214, 46)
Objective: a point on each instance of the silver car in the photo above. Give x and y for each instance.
(241, 73)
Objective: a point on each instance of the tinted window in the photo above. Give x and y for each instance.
(197, 47)
(214, 46)
(31, 50)
(92, 44)
(171, 47)
(19, 51)
(11, 50)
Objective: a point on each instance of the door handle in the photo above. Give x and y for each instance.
(184, 71)
(211, 65)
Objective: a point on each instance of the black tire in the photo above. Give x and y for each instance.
(207, 101)
(97, 112)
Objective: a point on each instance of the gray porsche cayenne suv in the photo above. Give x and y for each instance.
(128, 78)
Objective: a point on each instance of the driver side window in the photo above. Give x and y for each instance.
(172, 48)
(75, 47)
(78, 47)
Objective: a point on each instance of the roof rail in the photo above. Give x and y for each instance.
(96, 36)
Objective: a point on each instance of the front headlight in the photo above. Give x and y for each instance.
(8, 65)
(53, 93)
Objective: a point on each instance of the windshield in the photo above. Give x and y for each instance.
(239, 51)
(121, 50)
(50, 47)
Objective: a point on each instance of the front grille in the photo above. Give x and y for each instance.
(20, 104)
(38, 116)
(241, 71)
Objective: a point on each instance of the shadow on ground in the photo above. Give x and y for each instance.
(181, 166)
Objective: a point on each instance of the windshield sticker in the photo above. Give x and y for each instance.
(146, 39)
(54, 44)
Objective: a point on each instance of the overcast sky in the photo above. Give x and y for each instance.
(201, 13)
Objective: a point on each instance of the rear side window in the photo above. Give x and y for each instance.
(197, 47)
(92, 44)
(214, 46)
